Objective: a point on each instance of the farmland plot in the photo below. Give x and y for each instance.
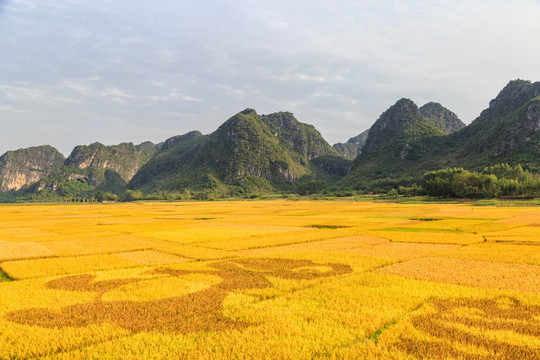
(269, 280)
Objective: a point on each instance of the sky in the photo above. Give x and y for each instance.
(76, 71)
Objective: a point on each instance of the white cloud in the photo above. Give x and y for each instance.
(13, 110)
(25, 93)
(175, 95)
(337, 64)
(114, 92)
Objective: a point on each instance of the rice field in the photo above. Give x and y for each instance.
(269, 280)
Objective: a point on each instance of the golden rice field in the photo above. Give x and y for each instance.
(269, 280)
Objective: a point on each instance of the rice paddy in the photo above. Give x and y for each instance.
(269, 280)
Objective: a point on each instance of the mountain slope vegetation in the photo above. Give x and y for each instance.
(401, 144)
(251, 154)
(247, 153)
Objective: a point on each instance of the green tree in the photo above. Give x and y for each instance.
(133, 195)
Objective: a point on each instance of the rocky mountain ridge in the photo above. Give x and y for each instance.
(248, 152)
(432, 113)
(508, 131)
(22, 167)
(252, 153)
(353, 146)
(125, 158)
(97, 165)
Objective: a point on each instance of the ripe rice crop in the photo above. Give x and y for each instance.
(427, 236)
(498, 252)
(24, 234)
(196, 252)
(150, 257)
(401, 251)
(517, 277)
(281, 239)
(102, 244)
(330, 245)
(210, 232)
(24, 269)
(11, 251)
(269, 280)
(498, 328)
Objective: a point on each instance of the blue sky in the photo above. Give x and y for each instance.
(75, 72)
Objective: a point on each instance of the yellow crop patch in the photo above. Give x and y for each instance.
(161, 288)
(498, 252)
(331, 245)
(196, 252)
(281, 239)
(10, 250)
(401, 251)
(150, 257)
(211, 232)
(24, 269)
(517, 277)
(102, 244)
(427, 236)
(24, 234)
(269, 280)
(487, 328)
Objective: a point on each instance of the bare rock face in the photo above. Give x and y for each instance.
(514, 94)
(126, 159)
(26, 166)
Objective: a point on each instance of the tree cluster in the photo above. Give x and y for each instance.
(500, 180)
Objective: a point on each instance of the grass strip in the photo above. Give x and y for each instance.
(4, 277)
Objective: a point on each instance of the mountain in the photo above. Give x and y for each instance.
(397, 141)
(508, 131)
(251, 153)
(399, 132)
(301, 140)
(353, 146)
(405, 142)
(25, 166)
(433, 113)
(440, 117)
(125, 159)
(166, 168)
(247, 153)
(94, 167)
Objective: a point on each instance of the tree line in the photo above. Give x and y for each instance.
(500, 180)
